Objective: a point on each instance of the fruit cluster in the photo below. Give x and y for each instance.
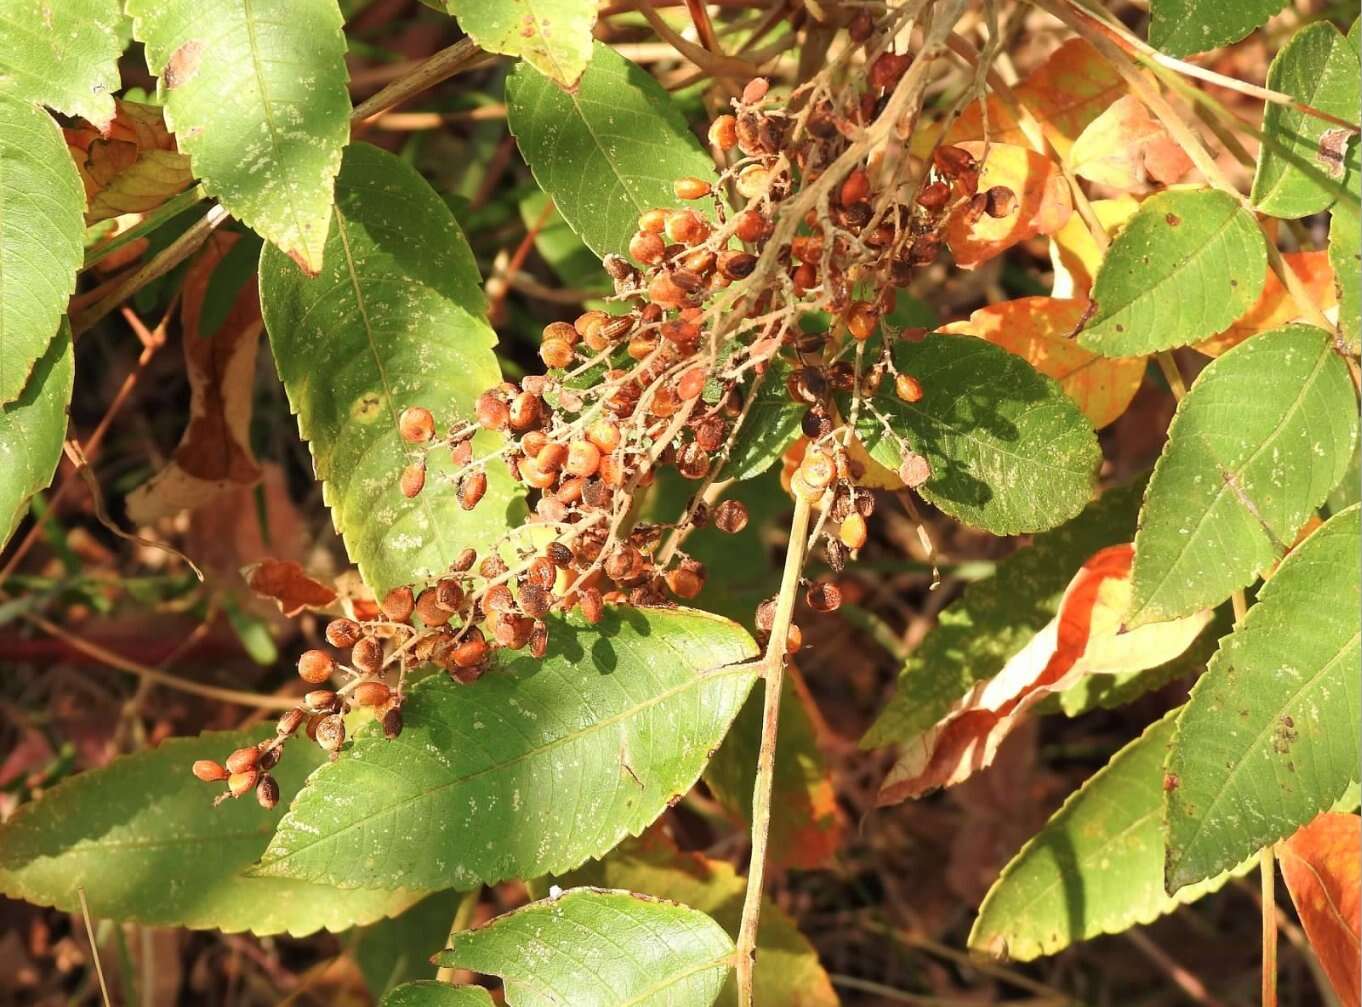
(787, 263)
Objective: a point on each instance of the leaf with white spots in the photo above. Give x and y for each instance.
(255, 93)
(1270, 736)
(1260, 440)
(396, 319)
(553, 36)
(62, 54)
(534, 768)
(608, 150)
(591, 947)
(32, 429)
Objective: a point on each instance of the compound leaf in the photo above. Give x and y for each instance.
(1009, 451)
(63, 55)
(143, 839)
(1304, 159)
(32, 429)
(591, 947)
(1186, 265)
(1064, 886)
(1270, 736)
(396, 319)
(1261, 439)
(537, 767)
(1182, 27)
(608, 150)
(256, 96)
(553, 36)
(41, 237)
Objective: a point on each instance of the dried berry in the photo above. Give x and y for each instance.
(539, 640)
(723, 132)
(915, 470)
(416, 425)
(267, 792)
(755, 90)
(471, 489)
(209, 771)
(316, 666)
(290, 722)
(555, 353)
(824, 596)
(593, 608)
(687, 580)
(428, 608)
(331, 732)
(492, 412)
(887, 69)
(690, 188)
(371, 694)
(907, 388)
(398, 604)
(240, 784)
(855, 188)
(243, 759)
(730, 516)
(342, 633)
(367, 656)
(413, 479)
(1000, 201)
(392, 722)
(322, 701)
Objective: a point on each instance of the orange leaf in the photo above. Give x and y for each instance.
(1084, 639)
(1275, 307)
(1040, 330)
(1126, 148)
(1065, 93)
(214, 453)
(1323, 868)
(287, 583)
(133, 168)
(1042, 204)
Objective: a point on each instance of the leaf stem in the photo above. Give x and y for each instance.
(1267, 868)
(773, 674)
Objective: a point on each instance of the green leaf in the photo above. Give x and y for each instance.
(1345, 255)
(537, 767)
(1009, 451)
(42, 230)
(143, 839)
(993, 619)
(772, 424)
(397, 950)
(595, 948)
(1095, 868)
(557, 245)
(1270, 736)
(63, 55)
(1186, 265)
(1182, 27)
(1257, 444)
(787, 969)
(32, 429)
(1303, 162)
(608, 150)
(396, 319)
(429, 993)
(553, 36)
(256, 96)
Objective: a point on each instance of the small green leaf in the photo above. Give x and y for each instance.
(1186, 265)
(63, 55)
(1345, 255)
(537, 767)
(396, 319)
(1009, 451)
(1182, 27)
(256, 96)
(553, 36)
(608, 150)
(771, 425)
(1303, 162)
(594, 948)
(1270, 736)
(429, 993)
(976, 635)
(32, 429)
(397, 950)
(1095, 868)
(41, 238)
(1259, 441)
(143, 839)
(787, 969)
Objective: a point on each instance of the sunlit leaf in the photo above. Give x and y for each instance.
(553, 36)
(1271, 734)
(1041, 330)
(1345, 255)
(1323, 870)
(1275, 306)
(32, 429)
(1075, 252)
(533, 769)
(255, 94)
(142, 838)
(1182, 27)
(1128, 149)
(131, 167)
(1041, 203)
(595, 948)
(1259, 441)
(1186, 266)
(62, 54)
(429, 993)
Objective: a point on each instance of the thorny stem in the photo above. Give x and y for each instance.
(1267, 869)
(773, 673)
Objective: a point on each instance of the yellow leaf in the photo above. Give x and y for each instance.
(1074, 251)
(1126, 148)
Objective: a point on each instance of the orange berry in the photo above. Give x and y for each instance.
(398, 604)
(908, 388)
(492, 412)
(653, 221)
(750, 226)
(664, 291)
(855, 188)
(605, 434)
(555, 353)
(755, 90)
(583, 458)
(416, 425)
(647, 248)
(852, 534)
(316, 666)
(690, 187)
(239, 784)
(818, 469)
(862, 318)
(243, 759)
(372, 694)
(753, 181)
(723, 132)
(687, 227)
(413, 479)
(209, 771)
(471, 489)
(692, 383)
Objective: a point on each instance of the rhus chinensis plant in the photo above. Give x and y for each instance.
(757, 274)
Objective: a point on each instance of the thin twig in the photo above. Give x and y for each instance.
(1193, 987)
(94, 947)
(462, 55)
(1267, 870)
(463, 919)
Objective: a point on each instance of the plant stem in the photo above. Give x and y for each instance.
(1267, 868)
(463, 917)
(773, 674)
(1171, 374)
(462, 55)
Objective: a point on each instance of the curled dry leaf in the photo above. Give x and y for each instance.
(288, 584)
(1085, 638)
(214, 453)
(1322, 867)
(1276, 307)
(1040, 330)
(1042, 206)
(1127, 149)
(133, 168)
